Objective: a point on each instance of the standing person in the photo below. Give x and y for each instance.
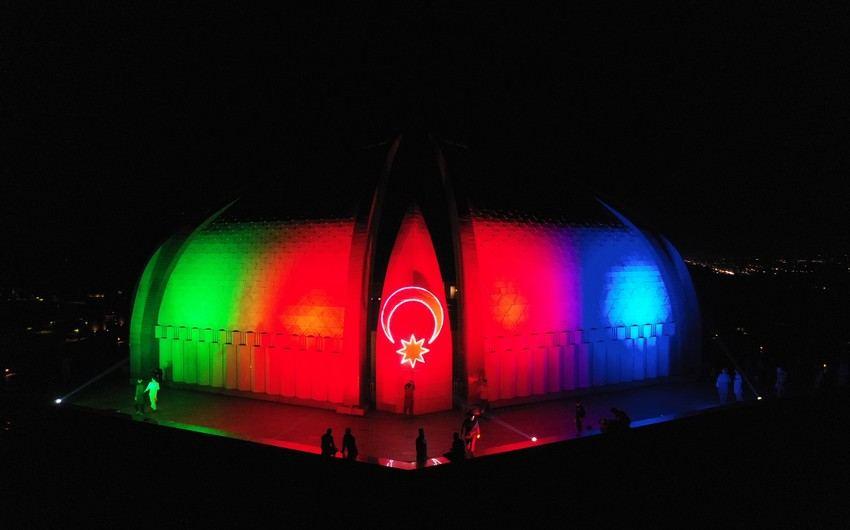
(349, 445)
(328, 445)
(483, 394)
(153, 390)
(470, 431)
(781, 375)
(139, 396)
(421, 448)
(580, 414)
(843, 370)
(408, 397)
(738, 386)
(722, 385)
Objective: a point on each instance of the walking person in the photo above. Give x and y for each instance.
(139, 396)
(409, 387)
(421, 448)
(580, 414)
(153, 392)
(722, 385)
(349, 445)
(738, 386)
(328, 445)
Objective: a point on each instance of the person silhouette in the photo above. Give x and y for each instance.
(328, 445)
(622, 419)
(738, 386)
(781, 377)
(421, 448)
(139, 396)
(470, 431)
(580, 414)
(349, 445)
(409, 387)
(458, 451)
(722, 385)
(483, 394)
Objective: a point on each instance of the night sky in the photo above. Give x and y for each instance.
(726, 128)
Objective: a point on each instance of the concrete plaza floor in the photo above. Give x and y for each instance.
(388, 439)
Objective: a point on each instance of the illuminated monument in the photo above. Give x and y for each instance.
(350, 275)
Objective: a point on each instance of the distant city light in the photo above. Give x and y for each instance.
(758, 398)
(533, 438)
(57, 400)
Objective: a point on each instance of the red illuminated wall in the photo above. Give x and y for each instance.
(413, 306)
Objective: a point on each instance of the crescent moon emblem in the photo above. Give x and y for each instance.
(419, 295)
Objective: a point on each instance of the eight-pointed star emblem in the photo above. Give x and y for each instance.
(412, 350)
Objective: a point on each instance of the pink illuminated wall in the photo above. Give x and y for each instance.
(413, 319)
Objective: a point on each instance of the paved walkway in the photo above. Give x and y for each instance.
(386, 438)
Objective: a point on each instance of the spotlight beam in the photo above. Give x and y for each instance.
(93, 380)
(500, 421)
(734, 362)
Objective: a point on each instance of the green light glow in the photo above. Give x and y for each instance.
(210, 281)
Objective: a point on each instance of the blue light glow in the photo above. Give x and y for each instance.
(635, 294)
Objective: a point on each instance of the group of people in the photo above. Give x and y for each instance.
(463, 442)
(349, 445)
(736, 381)
(722, 384)
(619, 420)
(147, 394)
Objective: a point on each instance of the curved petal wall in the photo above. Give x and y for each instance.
(262, 307)
(551, 307)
